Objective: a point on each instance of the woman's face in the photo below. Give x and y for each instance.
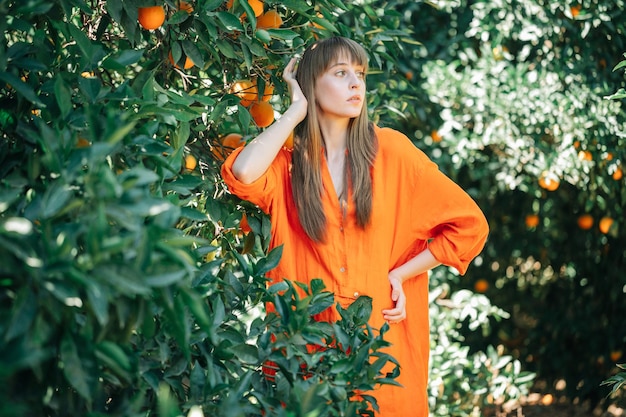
(340, 90)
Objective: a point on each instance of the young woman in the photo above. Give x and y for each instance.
(358, 206)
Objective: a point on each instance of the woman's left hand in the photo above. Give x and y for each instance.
(398, 312)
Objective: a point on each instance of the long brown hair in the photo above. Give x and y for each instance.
(361, 144)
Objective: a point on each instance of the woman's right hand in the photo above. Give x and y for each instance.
(298, 100)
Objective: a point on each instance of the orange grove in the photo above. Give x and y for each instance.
(262, 113)
(152, 17)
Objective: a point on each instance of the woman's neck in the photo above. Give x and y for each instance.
(335, 134)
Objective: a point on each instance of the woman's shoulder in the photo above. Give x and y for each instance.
(392, 142)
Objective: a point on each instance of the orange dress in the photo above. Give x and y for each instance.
(414, 206)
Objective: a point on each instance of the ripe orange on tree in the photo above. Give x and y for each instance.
(188, 62)
(532, 220)
(585, 221)
(549, 181)
(616, 355)
(256, 5)
(246, 90)
(268, 92)
(183, 5)
(190, 162)
(269, 20)
(289, 142)
(481, 285)
(436, 136)
(575, 10)
(151, 17)
(585, 156)
(262, 113)
(227, 144)
(618, 174)
(605, 224)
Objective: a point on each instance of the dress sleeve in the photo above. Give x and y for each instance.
(260, 192)
(452, 222)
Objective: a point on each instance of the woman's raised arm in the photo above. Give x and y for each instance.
(258, 155)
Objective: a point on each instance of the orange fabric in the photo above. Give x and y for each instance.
(414, 206)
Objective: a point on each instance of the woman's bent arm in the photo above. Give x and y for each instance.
(258, 155)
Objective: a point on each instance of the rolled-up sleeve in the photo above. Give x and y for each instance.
(260, 191)
(456, 227)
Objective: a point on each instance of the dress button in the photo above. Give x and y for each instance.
(356, 294)
(342, 269)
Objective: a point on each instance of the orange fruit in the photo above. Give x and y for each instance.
(289, 142)
(605, 224)
(585, 156)
(190, 162)
(269, 20)
(616, 355)
(481, 285)
(188, 62)
(262, 113)
(408, 75)
(547, 399)
(268, 92)
(618, 174)
(435, 136)
(256, 5)
(246, 90)
(575, 10)
(548, 181)
(183, 5)
(532, 220)
(82, 143)
(244, 226)
(152, 17)
(227, 144)
(585, 221)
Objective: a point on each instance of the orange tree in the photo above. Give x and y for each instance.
(128, 281)
(511, 100)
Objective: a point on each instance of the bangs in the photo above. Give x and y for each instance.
(330, 51)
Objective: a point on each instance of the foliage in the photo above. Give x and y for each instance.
(514, 91)
(127, 285)
(464, 382)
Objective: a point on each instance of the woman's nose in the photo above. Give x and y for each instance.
(355, 81)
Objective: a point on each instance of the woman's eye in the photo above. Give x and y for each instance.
(341, 73)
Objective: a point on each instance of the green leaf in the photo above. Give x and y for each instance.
(165, 279)
(73, 368)
(121, 60)
(230, 21)
(23, 314)
(63, 96)
(55, 199)
(270, 262)
(246, 353)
